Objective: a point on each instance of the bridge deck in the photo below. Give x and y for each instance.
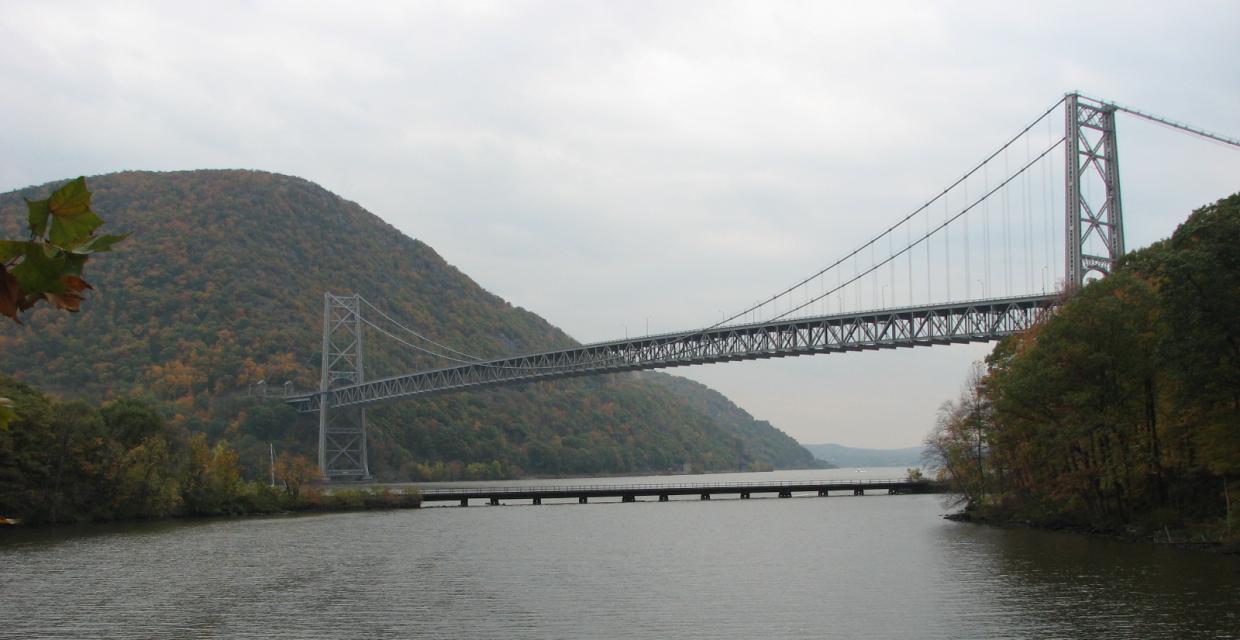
(630, 492)
(957, 322)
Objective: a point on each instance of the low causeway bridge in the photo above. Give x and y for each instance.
(664, 492)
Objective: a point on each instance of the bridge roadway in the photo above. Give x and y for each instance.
(950, 323)
(631, 492)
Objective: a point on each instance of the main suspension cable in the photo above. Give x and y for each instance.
(923, 207)
(418, 335)
(938, 228)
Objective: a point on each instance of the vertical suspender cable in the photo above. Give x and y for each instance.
(877, 285)
(1007, 235)
(986, 230)
(947, 251)
(1028, 215)
(1053, 261)
(929, 283)
(908, 240)
(891, 252)
(968, 274)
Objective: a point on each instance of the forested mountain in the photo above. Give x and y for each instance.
(222, 285)
(841, 456)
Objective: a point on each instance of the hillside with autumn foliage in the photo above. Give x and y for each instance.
(222, 286)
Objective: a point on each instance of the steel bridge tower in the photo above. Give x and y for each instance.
(342, 432)
(1095, 219)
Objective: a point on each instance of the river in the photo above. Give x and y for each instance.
(877, 566)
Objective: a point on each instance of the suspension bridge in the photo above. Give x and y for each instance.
(982, 259)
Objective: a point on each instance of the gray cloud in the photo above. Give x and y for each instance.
(608, 163)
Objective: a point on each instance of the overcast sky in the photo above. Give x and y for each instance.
(618, 165)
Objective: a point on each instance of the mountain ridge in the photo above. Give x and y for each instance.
(842, 456)
(221, 286)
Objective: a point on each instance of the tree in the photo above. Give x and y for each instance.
(958, 447)
(211, 479)
(296, 472)
(1119, 410)
(132, 421)
(146, 480)
(48, 266)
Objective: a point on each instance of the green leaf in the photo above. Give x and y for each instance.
(40, 272)
(72, 218)
(98, 244)
(74, 263)
(39, 211)
(71, 199)
(67, 231)
(10, 249)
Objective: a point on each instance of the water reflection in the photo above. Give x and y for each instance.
(1070, 586)
(843, 567)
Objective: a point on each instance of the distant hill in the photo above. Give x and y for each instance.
(842, 456)
(222, 285)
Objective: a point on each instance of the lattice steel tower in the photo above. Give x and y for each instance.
(1095, 219)
(342, 432)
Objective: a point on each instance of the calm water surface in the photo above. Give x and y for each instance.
(840, 567)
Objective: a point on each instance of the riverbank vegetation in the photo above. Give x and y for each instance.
(74, 462)
(1121, 411)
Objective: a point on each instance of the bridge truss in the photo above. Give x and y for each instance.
(888, 329)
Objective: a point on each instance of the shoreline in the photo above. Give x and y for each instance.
(1163, 539)
(346, 500)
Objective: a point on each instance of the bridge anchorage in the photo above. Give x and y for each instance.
(824, 313)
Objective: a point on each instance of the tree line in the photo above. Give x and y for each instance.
(75, 462)
(1120, 411)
